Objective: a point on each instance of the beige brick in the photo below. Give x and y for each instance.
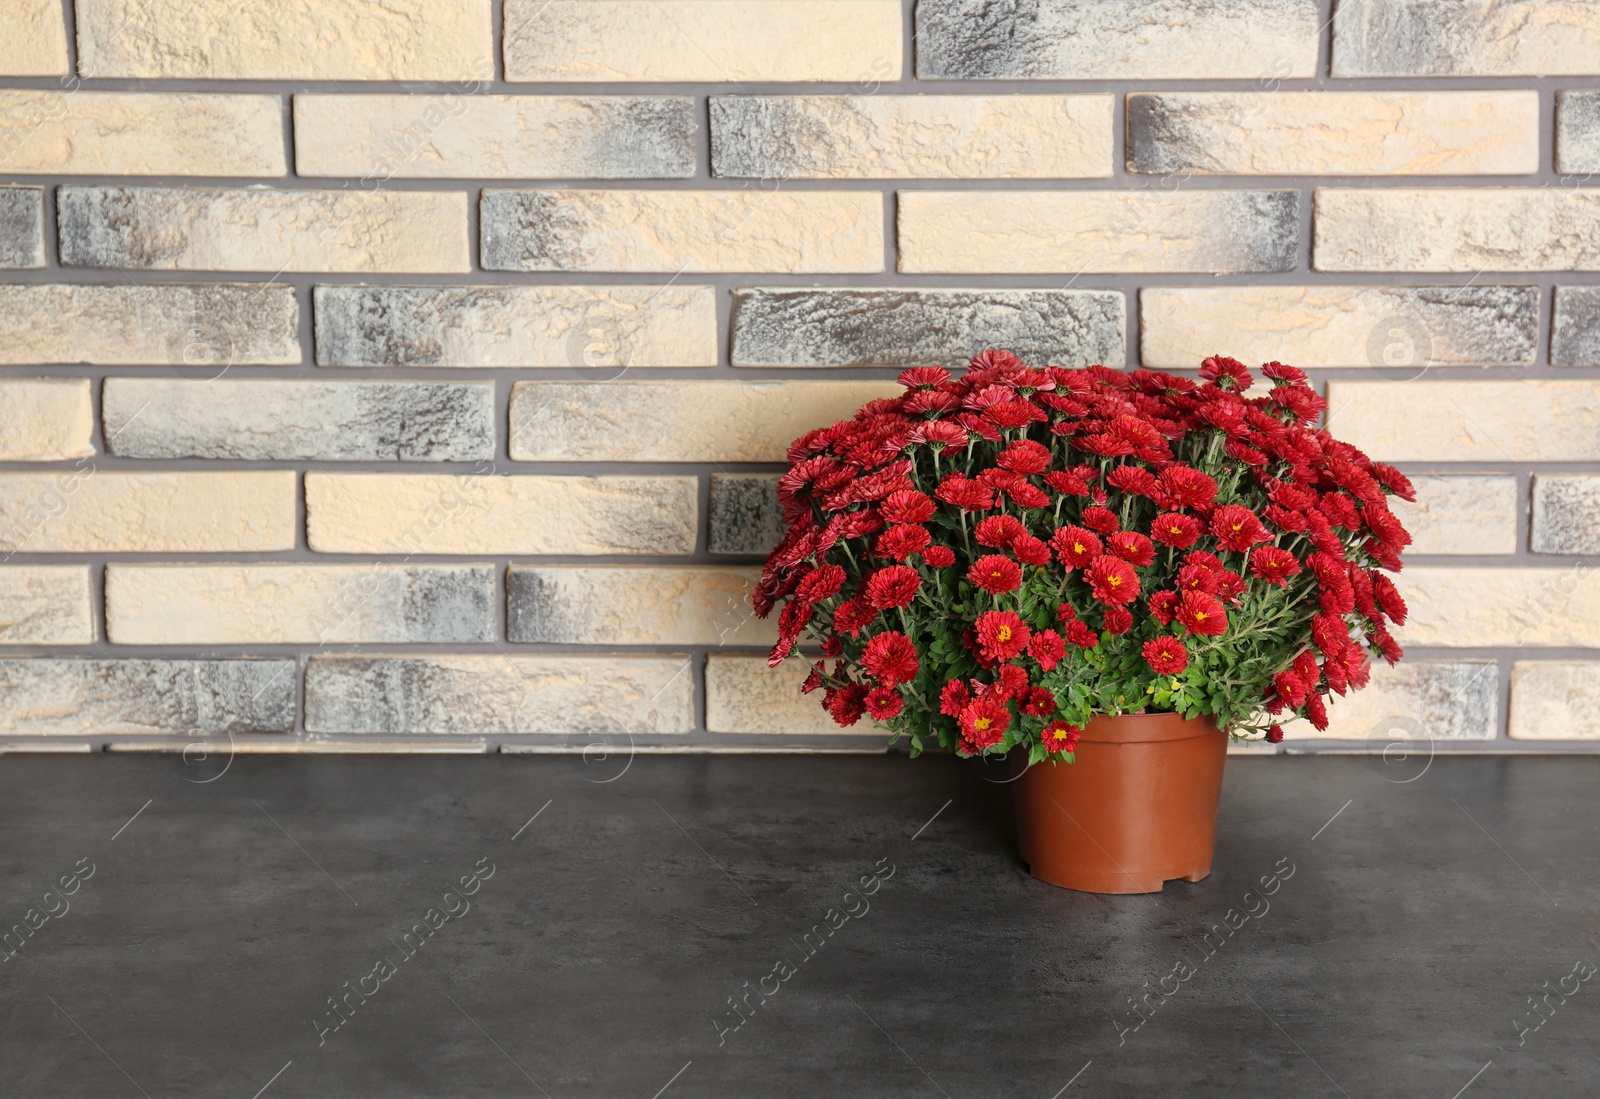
(1456, 38)
(35, 42)
(795, 232)
(777, 137)
(45, 605)
(1257, 40)
(576, 326)
(1068, 232)
(494, 136)
(45, 419)
(141, 134)
(1394, 327)
(1555, 700)
(620, 605)
(85, 510)
(716, 41)
(1469, 607)
(1470, 229)
(1463, 421)
(445, 513)
(480, 695)
(743, 695)
(274, 604)
(62, 697)
(286, 39)
(1461, 515)
(687, 421)
(1413, 703)
(213, 229)
(1334, 133)
(214, 324)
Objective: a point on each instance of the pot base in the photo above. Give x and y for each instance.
(1136, 810)
(1117, 881)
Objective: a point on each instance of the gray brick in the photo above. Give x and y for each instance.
(635, 605)
(1464, 38)
(210, 325)
(784, 137)
(1578, 131)
(21, 227)
(277, 420)
(1566, 513)
(184, 697)
(1115, 39)
(577, 326)
(478, 695)
(746, 516)
(799, 327)
(1575, 332)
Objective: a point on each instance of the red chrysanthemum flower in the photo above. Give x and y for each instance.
(1100, 519)
(906, 506)
(1030, 551)
(846, 704)
(983, 725)
(965, 493)
(1112, 580)
(821, 583)
(1189, 487)
(1131, 546)
(1081, 635)
(1316, 712)
(923, 376)
(1199, 578)
(1273, 565)
(1118, 621)
(892, 586)
(1024, 456)
(901, 541)
(939, 557)
(1274, 734)
(1166, 655)
(1047, 648)
(882, 703)
(891, 658)
(1164, 606)
(953, 698)
(1175, 529)
(1001, 635)
(1058, 736)
(998, 530)
(995, 573)
(1226, 371)
(1075, 546)
(1036, 702)
(1201, 613)
(1237, 527)
(853, 615)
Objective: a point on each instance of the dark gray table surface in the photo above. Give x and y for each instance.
(1403, 954)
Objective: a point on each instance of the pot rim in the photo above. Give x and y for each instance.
(1146, 728)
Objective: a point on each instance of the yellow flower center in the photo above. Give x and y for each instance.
(1003, 633)
(982, 724)
(1077, 547)
(1199, 616)
(1114, 581)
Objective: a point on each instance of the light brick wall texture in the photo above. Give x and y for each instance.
(405, 375)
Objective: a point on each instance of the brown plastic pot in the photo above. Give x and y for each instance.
(1137, 808)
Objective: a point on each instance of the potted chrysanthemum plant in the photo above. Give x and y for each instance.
(1116, 571)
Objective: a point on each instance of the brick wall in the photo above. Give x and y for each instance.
(414, 372)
